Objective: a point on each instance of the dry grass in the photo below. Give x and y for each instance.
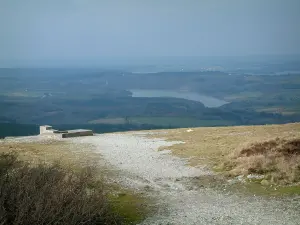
(52, 151)
(76, 157)
(212, 145)
(278, 159)
(44, 194)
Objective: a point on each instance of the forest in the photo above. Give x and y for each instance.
(118, 100)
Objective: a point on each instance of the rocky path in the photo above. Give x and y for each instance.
(168, 179)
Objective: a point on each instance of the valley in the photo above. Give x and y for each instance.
(108, 100)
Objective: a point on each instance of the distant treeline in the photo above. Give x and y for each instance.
(234, 118)
(15, 129)
(107, 128)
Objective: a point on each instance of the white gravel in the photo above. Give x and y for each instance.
(141, 166)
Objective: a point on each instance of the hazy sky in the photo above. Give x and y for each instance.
(60, 30)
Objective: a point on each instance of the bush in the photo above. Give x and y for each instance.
(50, 195)
(277, 159)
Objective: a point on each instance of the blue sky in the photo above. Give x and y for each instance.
(81, 30)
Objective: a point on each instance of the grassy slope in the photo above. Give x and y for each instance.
(209, 145)
(214, 146)
(203, 146)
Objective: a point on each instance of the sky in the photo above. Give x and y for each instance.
(58, 31)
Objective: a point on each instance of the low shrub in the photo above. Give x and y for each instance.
(43, 194)
(277, 159)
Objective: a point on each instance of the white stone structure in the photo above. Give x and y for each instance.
(48, 130)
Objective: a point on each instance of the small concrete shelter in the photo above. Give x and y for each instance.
(48, 130)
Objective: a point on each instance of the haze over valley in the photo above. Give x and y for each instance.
(111, 100)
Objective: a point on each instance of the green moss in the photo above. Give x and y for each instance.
(130, 206)
(133, 207)
(255, 188)
(217, 169)
(289, 190)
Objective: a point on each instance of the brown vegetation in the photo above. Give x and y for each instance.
(278, 159)
(226, 148)
(50, 195)
(75, 158)
(49, 152)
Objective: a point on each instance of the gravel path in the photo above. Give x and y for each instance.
(141, 166)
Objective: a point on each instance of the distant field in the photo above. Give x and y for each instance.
(177, 121)
(283, 111)
(109, 121)
(21, 94)
(163, 121)
(243, 96)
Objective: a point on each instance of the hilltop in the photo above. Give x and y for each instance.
(241, 150)
(186, 176)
